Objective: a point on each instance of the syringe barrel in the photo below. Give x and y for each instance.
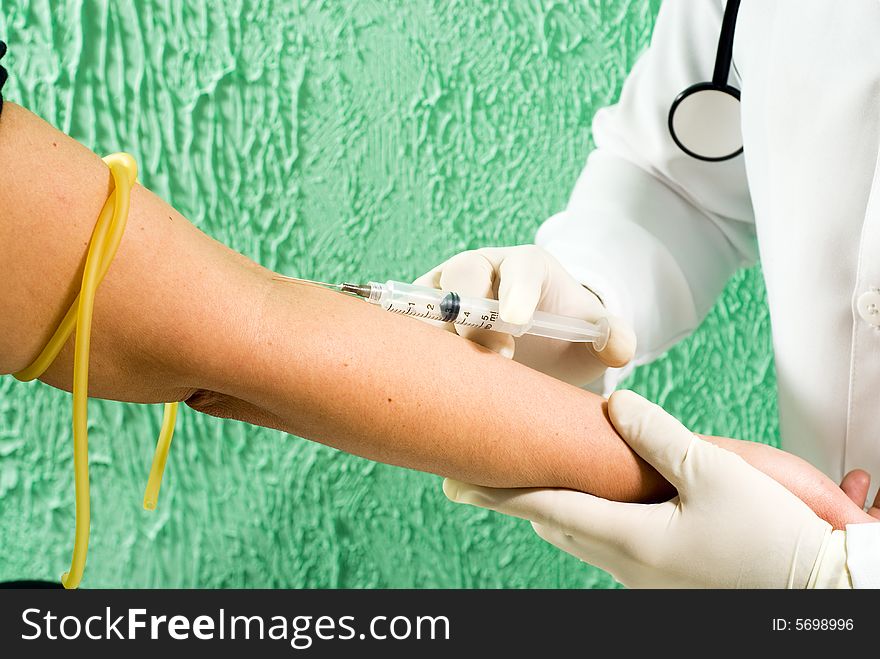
(481, 313)
(442, 306)
(575, 330)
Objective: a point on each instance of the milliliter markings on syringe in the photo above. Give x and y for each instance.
(411, 310)
(487, 321)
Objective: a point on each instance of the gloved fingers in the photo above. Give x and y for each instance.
(561, 540)
(569, 297)
(471, 274)
(509, 501)
(431, 279)
(571, 512)
(658, 437)
(604, 557)
(528, 274)
(856, 485)
(621, 346)
(523, 275)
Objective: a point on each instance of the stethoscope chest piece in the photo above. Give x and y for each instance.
(705, 119)
(705, 122)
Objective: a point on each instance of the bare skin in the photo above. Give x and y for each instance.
(180, 317)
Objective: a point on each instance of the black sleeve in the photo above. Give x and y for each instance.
(2, 74)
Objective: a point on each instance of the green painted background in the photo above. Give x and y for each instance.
(324, 139)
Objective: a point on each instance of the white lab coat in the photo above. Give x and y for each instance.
(657, 233)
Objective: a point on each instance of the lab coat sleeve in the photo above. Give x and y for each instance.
(653, 232)
(863, 554)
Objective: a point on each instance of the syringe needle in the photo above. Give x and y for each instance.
(297, 280)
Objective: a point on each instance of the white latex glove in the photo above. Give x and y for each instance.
(524, 279)
(731, 526)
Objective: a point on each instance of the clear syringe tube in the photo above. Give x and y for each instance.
(481, 313)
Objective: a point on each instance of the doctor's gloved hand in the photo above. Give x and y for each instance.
(731, 526)
(525, 279)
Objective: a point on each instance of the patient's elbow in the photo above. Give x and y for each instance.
(212, 403)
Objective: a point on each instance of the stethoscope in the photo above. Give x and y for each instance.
(704, 119)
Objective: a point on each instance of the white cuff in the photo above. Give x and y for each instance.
(863, 554)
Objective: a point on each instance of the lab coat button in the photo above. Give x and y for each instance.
(868, 305)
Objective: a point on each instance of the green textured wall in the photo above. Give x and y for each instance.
(324, 139)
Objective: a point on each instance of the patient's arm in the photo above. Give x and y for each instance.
(181, 317)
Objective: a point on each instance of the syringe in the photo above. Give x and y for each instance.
(481, 313)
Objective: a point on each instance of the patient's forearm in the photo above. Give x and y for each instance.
(396, 390)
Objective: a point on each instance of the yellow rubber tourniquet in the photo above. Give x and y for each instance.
(102, 248)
